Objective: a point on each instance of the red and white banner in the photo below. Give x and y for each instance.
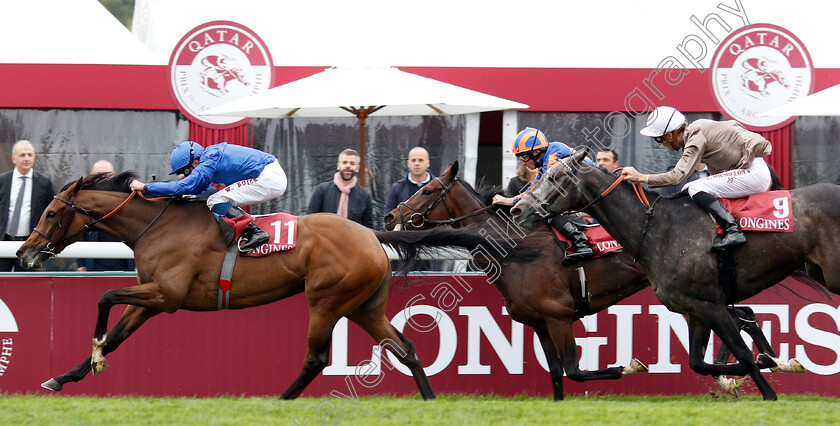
(459, 325)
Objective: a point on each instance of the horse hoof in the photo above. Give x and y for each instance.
(98, 367)
(728, 385)
(796, 366)
(635, 366)
(764, 359)
(52, 385)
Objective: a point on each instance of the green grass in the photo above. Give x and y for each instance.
(447, 409)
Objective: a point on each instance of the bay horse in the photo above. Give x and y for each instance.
(547, 296)
(179, 250)
(672, 241)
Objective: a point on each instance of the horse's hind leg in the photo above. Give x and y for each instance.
(317, 353)
(131, 319)
(387, 336)
(555, 369)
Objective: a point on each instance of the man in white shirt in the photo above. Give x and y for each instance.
(24, 195)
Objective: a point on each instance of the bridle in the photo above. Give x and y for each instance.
(422, 217)
(58, 232)
(637, 188)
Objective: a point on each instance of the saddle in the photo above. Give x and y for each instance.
(599, 239)
(770, 211)
(228, 233)
(281, 227)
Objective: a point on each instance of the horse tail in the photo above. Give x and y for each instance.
(776, 183)
(410, 244)
(801, 276)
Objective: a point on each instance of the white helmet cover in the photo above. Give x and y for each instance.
(662, 120)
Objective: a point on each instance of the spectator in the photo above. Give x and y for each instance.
(607, 158)
(24, 195)
(342, 195)
(418, 175)
(90, 265)
(524, 176)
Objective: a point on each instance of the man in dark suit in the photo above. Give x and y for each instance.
(342, 195)
(24, 195)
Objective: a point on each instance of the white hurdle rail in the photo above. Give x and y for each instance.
(112, 250)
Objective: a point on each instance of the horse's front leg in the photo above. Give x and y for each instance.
(563, 335)
(767, 358)
(145, 295)
(131, 320)
(555, 368)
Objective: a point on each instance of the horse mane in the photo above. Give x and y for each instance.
(106, 181)
(485, 191)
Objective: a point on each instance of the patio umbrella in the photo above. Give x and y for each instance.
(363, 92)
(825, 102)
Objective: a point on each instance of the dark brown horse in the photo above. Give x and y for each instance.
(179, 250)
(546, 295)
(672, 241)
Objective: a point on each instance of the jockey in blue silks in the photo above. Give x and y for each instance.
(251, 176)
(532, 148)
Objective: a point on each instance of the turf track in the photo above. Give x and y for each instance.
(447, 409)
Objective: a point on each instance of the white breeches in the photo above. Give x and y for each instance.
(736, 183)
(270, 184)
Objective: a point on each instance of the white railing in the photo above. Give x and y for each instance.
(103, 250)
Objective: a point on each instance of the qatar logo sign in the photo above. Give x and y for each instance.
(217, 63)
(758, 68)
(7, 325)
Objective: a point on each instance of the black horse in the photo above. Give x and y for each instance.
(548, 298)
(672, 241)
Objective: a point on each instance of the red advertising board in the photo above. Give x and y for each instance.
(458, 323)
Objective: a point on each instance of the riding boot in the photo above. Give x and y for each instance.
(732, 235)
(256, 235)
(580, 244)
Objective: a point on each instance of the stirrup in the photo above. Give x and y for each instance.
(735, 239)
(577, 256)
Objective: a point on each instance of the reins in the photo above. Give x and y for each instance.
(454, 220)
(637, 188)
(440, 199)
(640, 195)
(54, 238)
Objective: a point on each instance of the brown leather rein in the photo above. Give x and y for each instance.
(69, 212)
(637, 187)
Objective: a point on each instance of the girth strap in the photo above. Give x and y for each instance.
(227, 274)
(583, 307)
(727, 275)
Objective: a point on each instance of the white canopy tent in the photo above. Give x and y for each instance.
(487, 33)
(824, 103)
(364, 92)
(68, 32)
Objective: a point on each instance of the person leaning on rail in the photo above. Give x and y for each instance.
(251, 176)
(732, 153)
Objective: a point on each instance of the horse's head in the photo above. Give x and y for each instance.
(428, 203)
(557, 191)
(64, 221)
